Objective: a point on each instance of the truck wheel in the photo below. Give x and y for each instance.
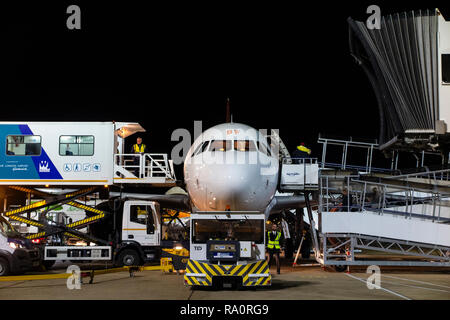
(128, 257)
(340, 268)
(4, 267)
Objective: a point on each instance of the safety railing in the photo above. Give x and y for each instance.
(354, 167)
(346, 144)
(431, 176)
(382, 198)
(299, 173)
(143, 166)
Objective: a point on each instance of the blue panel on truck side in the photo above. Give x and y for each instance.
(24, 167)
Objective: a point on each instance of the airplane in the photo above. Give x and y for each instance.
(229, 167)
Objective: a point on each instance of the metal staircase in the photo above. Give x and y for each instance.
(383, 219)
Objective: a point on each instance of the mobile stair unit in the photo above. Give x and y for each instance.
(387, 219)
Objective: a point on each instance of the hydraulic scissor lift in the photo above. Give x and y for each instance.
(47, 200)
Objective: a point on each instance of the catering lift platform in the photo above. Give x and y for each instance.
(49, 164)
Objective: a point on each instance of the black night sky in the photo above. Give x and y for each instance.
(283, 65)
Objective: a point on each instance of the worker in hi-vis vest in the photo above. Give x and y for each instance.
(301, 152)
(138, 148)
(274, 246)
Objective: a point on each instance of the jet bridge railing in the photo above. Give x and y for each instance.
(143, 166)
(382, 198)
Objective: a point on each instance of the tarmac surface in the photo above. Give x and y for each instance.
(299, 283)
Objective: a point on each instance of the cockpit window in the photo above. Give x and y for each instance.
(244, 145)
(205, 146)
(220, 145)
(197, 149)
(264, 149)
(201, 148)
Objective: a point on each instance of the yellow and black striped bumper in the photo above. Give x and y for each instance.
(253, 274)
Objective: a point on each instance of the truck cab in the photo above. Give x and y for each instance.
(227, 248)
(129, 234)
(141, 233)
(17, 254)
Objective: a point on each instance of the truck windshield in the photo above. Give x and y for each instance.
(5, 227)
(229, 229)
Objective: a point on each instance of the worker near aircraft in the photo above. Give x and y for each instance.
(300, 152)
(274, 246)
(138, 149)
(347, 201)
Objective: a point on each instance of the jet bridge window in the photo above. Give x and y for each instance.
(220, 145)
(244, 145)
(76, 145)
(22, 145)
(446, 68)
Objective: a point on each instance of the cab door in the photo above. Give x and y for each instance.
(140, 223)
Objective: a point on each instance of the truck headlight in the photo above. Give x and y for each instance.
(15, 245)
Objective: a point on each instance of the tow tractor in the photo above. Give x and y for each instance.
(227, 248)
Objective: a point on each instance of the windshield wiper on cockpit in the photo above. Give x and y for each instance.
(246, 218)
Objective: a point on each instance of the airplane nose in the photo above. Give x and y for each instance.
(233, 188)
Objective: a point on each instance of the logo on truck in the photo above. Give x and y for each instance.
(43, 166)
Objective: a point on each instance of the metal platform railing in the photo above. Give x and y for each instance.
(410, 223)
(298, 174)
(346, 144)
(431, 176)
(144, 166)
(335, 165)
(339, 249)
(400, 220)
(383, 198)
